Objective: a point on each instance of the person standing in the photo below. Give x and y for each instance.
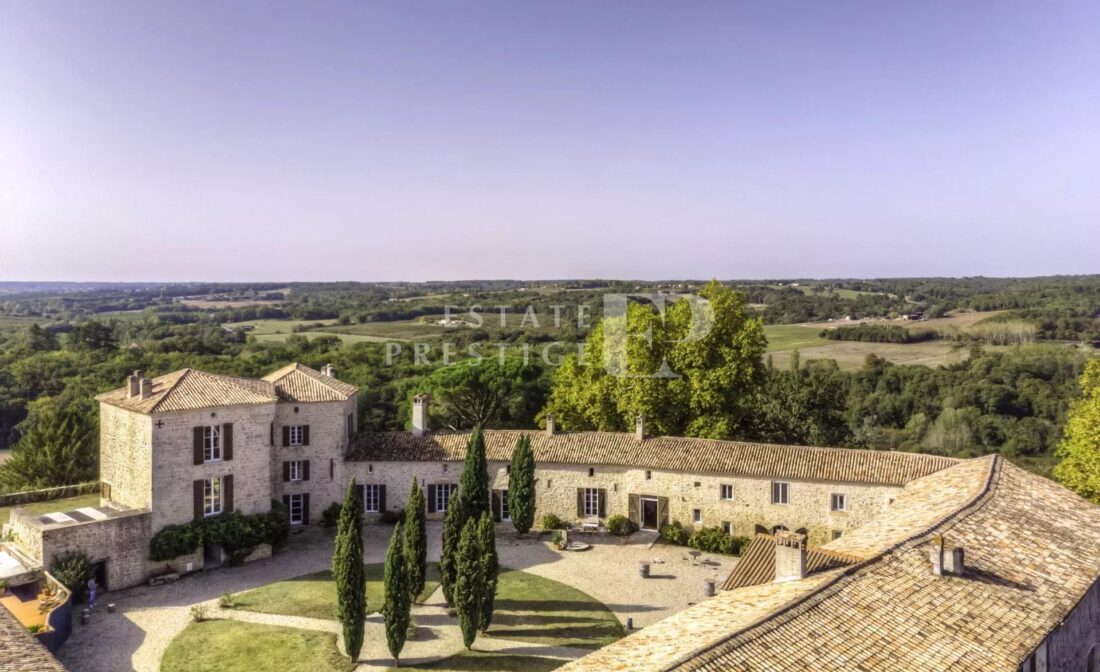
(91, 592)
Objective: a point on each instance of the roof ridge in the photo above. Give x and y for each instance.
(184, 372)
(974, 504)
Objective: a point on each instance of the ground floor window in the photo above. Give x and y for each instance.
(837, 534)
(591, 502)
(727, 527)
(443, 492)
(297, 509)
(372, 498)
(504, 515)
(696, 515)
(211, 496)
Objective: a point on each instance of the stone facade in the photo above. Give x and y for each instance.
(126, 456)
(809, 503)
(328, 424)
(1075, 645)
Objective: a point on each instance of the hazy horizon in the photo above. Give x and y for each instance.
(388, 142)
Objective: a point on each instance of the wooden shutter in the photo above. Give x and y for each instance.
(634, 503)
(305, 471)
(227, 493)
(305, 509)
(495, 498)
(601, 503)
(198, 445)
(227, 441)
(271, 434)
(431, 498)
(662, 512)
(286, 436)
(198, 499)
(382, 497)
(305, 435)
(580, 502)
(286, 472)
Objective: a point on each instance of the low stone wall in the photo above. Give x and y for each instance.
(47, 494)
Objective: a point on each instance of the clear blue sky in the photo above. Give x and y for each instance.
(448, 140)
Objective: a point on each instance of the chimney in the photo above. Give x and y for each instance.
(328, 370)
(134, 381)
(790, 556)
(420, 414)
(146, 388)
(639, 428)
(946, 561)
(550, 427)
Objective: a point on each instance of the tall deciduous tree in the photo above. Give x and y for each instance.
(490, 569)
(398, 597)
(416, 540)
(489, 392)
(521, 485)
(693, 371)
(349, 573)
(1079, 469)
(469, 590)
(453, 522)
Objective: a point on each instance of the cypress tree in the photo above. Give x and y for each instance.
(470, 582)
(416, 540)
(474, 484)
(453, 522)
(398, 599)
(521, 486)
(348, 572)
(490, 568)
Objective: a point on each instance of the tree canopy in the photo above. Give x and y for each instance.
(1079, 469)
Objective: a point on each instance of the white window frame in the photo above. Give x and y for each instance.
(297, 504)
(697, 516)
(297, 435)
(725, 492)
(781, 493)
(591, 502)
(212, 443)
(372, 498)
(443, 494)
(297, 470)
(213, 496)
(838, 501)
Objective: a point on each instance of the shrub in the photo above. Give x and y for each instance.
(72, 571)
(35, 628)
(674, 533)
(330, 515)
(237, 534)
(556, 538)
(739, 544)
(200, 613)
(621, 526)
(173, 541)
(392, 517)
(227, 601)
(552, 522)
(712, 540)
(278, 521)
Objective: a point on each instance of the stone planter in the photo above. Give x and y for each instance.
(643, 569)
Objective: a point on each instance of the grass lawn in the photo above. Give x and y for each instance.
(488, 662)
(234, 646)
(536, 609)
(53, 505)
(791, 336)
(314, 595)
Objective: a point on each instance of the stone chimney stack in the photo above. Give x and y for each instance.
(134, 381)
(790, 556)
(639, 428)
(420, 414)
(328, 370)
(550, 426)
(946, 561)
(146, 388)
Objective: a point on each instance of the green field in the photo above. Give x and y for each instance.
(278, 330)
(235, 646)
(791, 336)
(487, 662)
(532, 608)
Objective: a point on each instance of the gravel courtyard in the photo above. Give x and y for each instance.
(147, 619)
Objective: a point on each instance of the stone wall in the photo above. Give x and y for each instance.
(1071, 646)
(174, 470)
(126, 456)
(328, 442)
(121, 541)
(556, 492)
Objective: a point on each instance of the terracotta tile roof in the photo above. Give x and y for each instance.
(299, 383)
(191, 389)
(1032, 551)
(661, 452)
(21, 652)
(757, 563)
